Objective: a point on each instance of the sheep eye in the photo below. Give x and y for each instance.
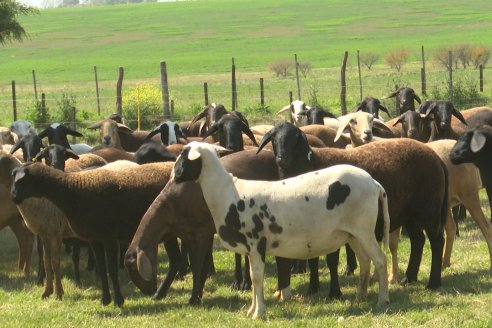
(353, 121)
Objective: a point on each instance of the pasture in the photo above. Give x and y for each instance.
(463, 300)
(197, 39)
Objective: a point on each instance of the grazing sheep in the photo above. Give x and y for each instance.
(180, 211)
(21, 128)
(409, 207)
(405, 98)
(316, 115)
(57, 134)
(372, 106)
(295, 108)
(441, 111)
(170, 133)
(475, 146)
(7, 137)
(120, 136)
(102, 206)
(242, 209)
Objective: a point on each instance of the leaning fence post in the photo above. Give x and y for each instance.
(234, 90)
(360, 76)
(262, 93)
(43, 107)
(165, 91)
(343, 92)
(297, 78)
(450, 62)
(481, 78)
(423, 75)
(205, 92)
(97, 92)
(35, 85)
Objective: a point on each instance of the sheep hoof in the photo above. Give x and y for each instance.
(195, 301)
(46, 295)
(119, 301)
(246, 285)
(337, 294)
(433, 286)
(106, 300)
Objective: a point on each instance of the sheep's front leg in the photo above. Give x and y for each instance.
(112, 258)
(257, 270)
(365, 269)
(101, 268)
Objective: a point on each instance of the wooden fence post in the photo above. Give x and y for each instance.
(262, 93)
(360, 77)
(74, 120)
(165, 91)
(291, 98)
(397, 102)
(35, 85)
(234, 90)
(43, 107)
(297, 78)
(172, 108)
(14, 101)
(481, 78)
(450, 62)
(205, 92)
(97, 92)
(343, 92)
(423, 75)
(119, 86)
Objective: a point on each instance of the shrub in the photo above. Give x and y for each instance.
(33, 114)
(479, 55)
(368, 58)
(149, 98)
(397, 58)
(465, 93)
(304, 68)
(281, 68)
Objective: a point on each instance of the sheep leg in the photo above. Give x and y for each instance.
(25, 240)
(472, 202)
(206, 263)
(489, 196)
(299, 266)
(238, 272)
(184, 265)
(55, 253)
(175, 258)
(417, 240)
(369, 250)
(112, 257)
(121, 254)
(246, 284)
(48, 288)
(210, 266)
(101, 268)
(313, 276)
(76, 260)
(332, 262)
(257, 271)
(436, 240)
(284, 266)
(393, 246)
(199, 251)
(90, 258)
(365, 269)
(351, 260)
(41, 271)
(450, 228)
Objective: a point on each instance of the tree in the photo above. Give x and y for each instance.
(479, 55)
(441, 55)
(281, 67)
(368, 58)
(397, 58)
(10, 29)
(304, 68)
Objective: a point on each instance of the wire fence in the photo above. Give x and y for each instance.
(470, 87)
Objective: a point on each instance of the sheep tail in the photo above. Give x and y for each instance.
(383, 199)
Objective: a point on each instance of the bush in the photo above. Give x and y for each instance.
(465, 93)
(281, 67)
(149, 98)
(304, 68)
(397, 58)
(65, 112)
(33, 114)
(479, 55)
(368, 58)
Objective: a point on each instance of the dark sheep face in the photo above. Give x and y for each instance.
(18, 186)
(230, 135)
(472, 146)
(406, 97)
(186, 169)
(146, 287)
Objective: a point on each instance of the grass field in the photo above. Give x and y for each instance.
(463, 301)
(197, 39)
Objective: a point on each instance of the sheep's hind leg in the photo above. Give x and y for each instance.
(101, 268)
(56, 245)
(257, 270)
(365, 269)
(112, 257)
(332, 262)
(48, 289)
(450, 228)
(417, 240)
(175, 258)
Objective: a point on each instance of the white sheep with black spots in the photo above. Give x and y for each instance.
(299, 218)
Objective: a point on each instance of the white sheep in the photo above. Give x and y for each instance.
(296, 107)
(299, 218)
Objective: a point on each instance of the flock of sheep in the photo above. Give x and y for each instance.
(297, 190)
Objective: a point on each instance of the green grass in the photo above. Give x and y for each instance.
(197, 39)
(463, 300)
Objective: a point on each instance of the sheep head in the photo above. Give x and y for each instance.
(359, 125)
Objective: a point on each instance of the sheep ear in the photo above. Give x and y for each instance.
(477, 142)
(266, 139)
(123, 128)
(399, 120)
(72, 132)
(417, 98)
(213, 128)
(391, 95)
(328, 114)
(199, 116)
(283, 109)
(16, 146)
(69, 153)
(249, 133)
(430, 109)
(384, 109)
(44, 133)
(40, 155)
(144, 266)
(95, 126)
(152, 133)
(193, 154)
(342, 127)
(458, 115)
(19, 174)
